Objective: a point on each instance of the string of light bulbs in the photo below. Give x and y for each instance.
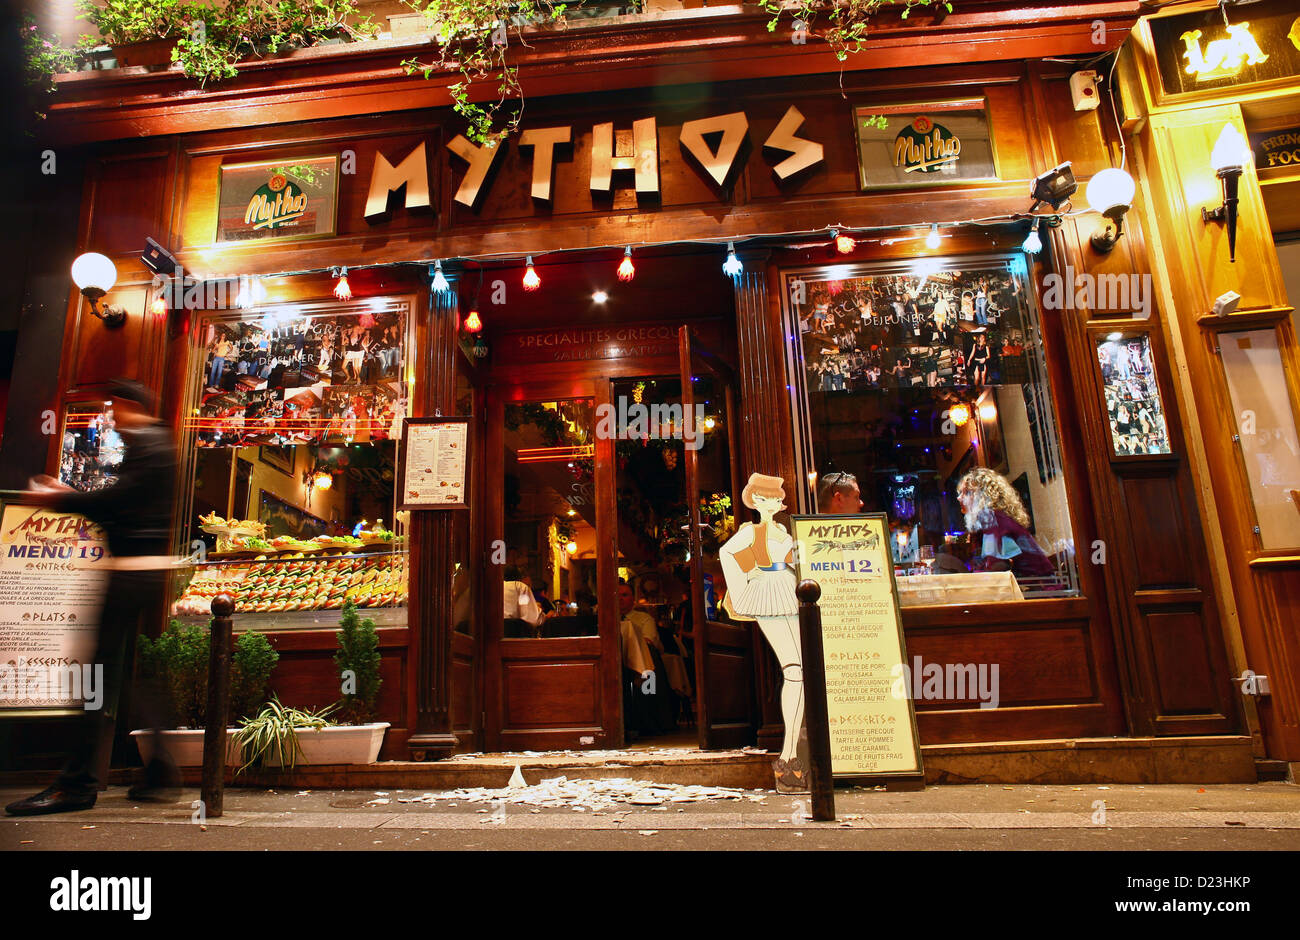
(842, 237)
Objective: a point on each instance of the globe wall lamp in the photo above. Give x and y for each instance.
(95, 275)
(1229, 158)
(1111, 193)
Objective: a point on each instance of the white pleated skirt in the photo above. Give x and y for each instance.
(768, 594)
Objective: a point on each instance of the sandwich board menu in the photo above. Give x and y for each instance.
(53, 574)
(870, 715)
(434, 463)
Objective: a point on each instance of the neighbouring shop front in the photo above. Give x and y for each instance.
(637, 303)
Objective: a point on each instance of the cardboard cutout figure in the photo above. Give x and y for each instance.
(758, 564)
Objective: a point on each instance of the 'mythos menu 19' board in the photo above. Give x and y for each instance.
(53, 572)
(871, 718)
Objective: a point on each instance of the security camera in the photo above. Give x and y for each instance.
(1226, 304)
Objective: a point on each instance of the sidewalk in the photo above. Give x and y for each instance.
(1231, 816)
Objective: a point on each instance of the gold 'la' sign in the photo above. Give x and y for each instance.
(1221, 58)
(635, 151)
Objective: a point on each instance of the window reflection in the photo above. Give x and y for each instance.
(927, 399)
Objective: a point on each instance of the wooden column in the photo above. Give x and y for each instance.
(432, 543)
(766, 437)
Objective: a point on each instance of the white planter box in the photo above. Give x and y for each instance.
(338, 744)
(184, 747)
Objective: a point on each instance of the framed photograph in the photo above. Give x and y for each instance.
(284, 518)
(924, 144)
(292, 198)
(433, 473)
(279, 456)
(1131, 396)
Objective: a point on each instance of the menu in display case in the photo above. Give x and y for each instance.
(434, 463)
(869, 712)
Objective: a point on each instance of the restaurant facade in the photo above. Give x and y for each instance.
(731, 258)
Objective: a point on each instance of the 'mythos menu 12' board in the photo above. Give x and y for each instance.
(871, 718)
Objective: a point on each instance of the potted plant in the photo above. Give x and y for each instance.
(140, 32)
(273, 737)
(280, 736)
(174, 667)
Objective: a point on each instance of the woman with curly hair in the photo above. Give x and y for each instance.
(994, 512)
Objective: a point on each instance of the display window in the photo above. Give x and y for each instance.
(924, 395)
(91, 451)
(292, 446)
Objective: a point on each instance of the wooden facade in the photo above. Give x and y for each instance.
(1147, 648)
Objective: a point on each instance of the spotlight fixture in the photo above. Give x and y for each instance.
(158, 259)
(342, 290)
(1053, 187)
(1229, 159)
(1033, 244)
(472, 323)
(845, 243)
(932, 240)
(531, 280)
(732, 265)
(599, 297)
(439, 279)
(1110, 192)
(94, 274)
(626, 270)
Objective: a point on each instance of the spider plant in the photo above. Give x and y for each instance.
(271, 733)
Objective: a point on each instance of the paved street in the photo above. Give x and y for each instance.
(1228, 817)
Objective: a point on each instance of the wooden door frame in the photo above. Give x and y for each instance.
(497, 392)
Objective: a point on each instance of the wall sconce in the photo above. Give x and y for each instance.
(1110, 192)
(94, 274)
(1229, 158)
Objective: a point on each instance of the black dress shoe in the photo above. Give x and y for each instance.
(51, 800)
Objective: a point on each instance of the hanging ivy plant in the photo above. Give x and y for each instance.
(473, 38)
(844, 24)
(212, 38)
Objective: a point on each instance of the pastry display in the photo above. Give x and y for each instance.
(298, 583)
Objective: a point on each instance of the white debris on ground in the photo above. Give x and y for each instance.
(584, 795)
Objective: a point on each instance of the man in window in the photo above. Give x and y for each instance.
(838, 494)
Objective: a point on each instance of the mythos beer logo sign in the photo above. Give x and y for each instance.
(275, 204)
(925, 146)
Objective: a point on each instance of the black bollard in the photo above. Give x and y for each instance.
(214, 735)
(814, 691)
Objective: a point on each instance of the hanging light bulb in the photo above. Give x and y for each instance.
(531, 280)
(322, 480)
(159, 305)
(626, 270)
(732, 265)
(932, 240)
(439, 279)
(959, 414)
(1033, 244)
(845, 243)
(472, 323)
(343, 290)
(571, 547)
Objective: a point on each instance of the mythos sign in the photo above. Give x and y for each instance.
(714, 145)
